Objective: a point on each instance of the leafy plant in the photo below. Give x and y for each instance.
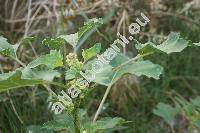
(44, 69)
(187, 109)
(65, 122)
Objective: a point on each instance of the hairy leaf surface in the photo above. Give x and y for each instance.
(52, 60)
(139, 68)
(174, 43)
(26, 74)
(53, 43)
(89, 25)
(38, 129)
(70, 74)
(72, 39)
(91, 52)
(103, 124)
(16, 81)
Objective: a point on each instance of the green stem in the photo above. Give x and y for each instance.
(64, 52)
(102, 102)
(113, 79)
(75, 120)
(104, 99)
(64, 56)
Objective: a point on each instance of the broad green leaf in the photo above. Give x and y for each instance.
(26, 74)
(174, 43)
(52, 60)
(54, 43)
(70, 74)
(16, 81)
(167, 112)
(107, 123)
(103, 124)
(47, 75)
(105, 76)
(6, 48)
(72, 39)
(5, 76)
(38, 129)
(89, 25)
(82, 116)
(91, 52)
(105, 19)
(106, 73)
(59, 122)
(65, 121)
(118, 60)
(139, 68)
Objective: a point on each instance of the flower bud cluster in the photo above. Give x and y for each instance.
(77, 86)
(73, 62)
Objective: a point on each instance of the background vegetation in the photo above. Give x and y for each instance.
(131, 98)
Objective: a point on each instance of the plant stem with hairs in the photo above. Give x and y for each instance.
(75, 120)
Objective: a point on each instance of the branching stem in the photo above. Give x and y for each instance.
(18, 61)
(113, 79)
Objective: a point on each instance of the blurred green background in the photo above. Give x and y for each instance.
(131, 98)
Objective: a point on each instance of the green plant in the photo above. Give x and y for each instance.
(187, 110)
(61, 70)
